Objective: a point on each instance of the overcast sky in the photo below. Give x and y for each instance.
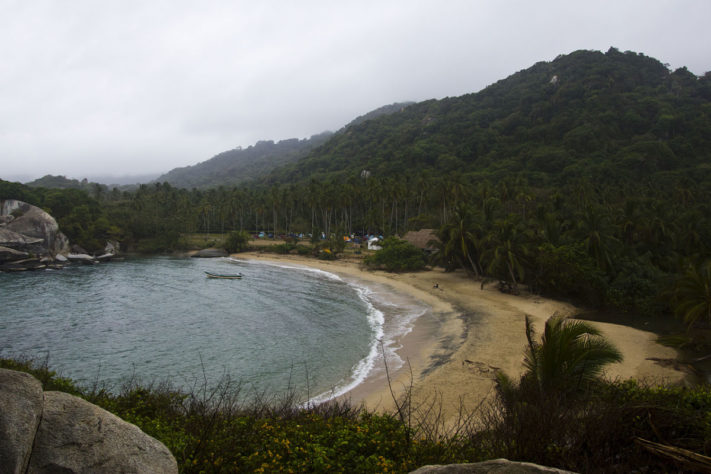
(122, 87)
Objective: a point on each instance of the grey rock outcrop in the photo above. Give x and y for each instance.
(112, 247)
(80, 257)
(31, 221)
(8, 255)
(76, 249)
(21, 242)
(105, 257)
(76, 436)
(20, 413)
(56, 432)
(497, 466)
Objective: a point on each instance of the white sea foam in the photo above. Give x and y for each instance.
(402, 315)
(402, 312)
(322, 273)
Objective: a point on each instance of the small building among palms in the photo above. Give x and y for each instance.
(422, 239)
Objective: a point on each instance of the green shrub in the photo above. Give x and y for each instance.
(50, 379)
(397, 256)
(213, 430)
(327, 254)
(237, 242)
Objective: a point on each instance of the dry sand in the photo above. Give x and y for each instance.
(454, 351)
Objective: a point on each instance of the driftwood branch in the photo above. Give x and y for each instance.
(690, 459)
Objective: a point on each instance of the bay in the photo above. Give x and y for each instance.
(160, 318)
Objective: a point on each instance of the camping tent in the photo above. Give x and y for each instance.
(373, 243)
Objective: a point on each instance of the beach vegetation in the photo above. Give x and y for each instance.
(459, 242)
(562, 413)
(397, 255)
(691, 294)
(237, 241)
(568, 359)
(605, 428)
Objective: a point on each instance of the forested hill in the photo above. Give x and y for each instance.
(242, 165)
(384, 110)
(61, 182)
(587, 114)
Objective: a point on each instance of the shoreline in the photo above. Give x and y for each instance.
(456, 348)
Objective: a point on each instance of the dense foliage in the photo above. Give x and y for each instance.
(560, 412)
(597, 431)
(397, 256)
(241, 165)
(237, 242)
(613, 116)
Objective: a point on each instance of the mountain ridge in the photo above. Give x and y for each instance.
(566, 116)
(241, 165)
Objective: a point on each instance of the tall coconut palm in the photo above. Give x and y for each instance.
(461, 239)
(599, 236)
(506, 249)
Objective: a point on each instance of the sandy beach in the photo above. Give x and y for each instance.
(455, 349)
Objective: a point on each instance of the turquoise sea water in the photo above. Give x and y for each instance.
(162, 319)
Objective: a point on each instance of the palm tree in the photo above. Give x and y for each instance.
(599, 237)
(461, 241)
(507, 248)
(571, 354)
(691, 295)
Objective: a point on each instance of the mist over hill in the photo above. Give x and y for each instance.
(242, 165)
(89, 183)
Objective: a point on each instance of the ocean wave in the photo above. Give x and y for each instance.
(315, 271)
(402, 313)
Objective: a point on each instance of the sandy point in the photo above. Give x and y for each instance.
(470, 333)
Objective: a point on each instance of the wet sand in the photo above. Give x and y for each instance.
(456, 348)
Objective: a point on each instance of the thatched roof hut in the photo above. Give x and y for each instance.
(420, 238)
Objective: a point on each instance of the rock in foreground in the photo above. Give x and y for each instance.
(497, 466)
(20, 412)
(57, 432)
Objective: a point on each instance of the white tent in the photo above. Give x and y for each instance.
(373, 243)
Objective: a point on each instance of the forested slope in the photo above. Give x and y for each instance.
(587, 114)
(241, 165)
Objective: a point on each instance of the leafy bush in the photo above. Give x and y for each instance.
(50, 379)
(237, 241)
(213, 430)
(164, 243)
(397, 256)
(602, 431)
(326, 254)
(286, 248)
